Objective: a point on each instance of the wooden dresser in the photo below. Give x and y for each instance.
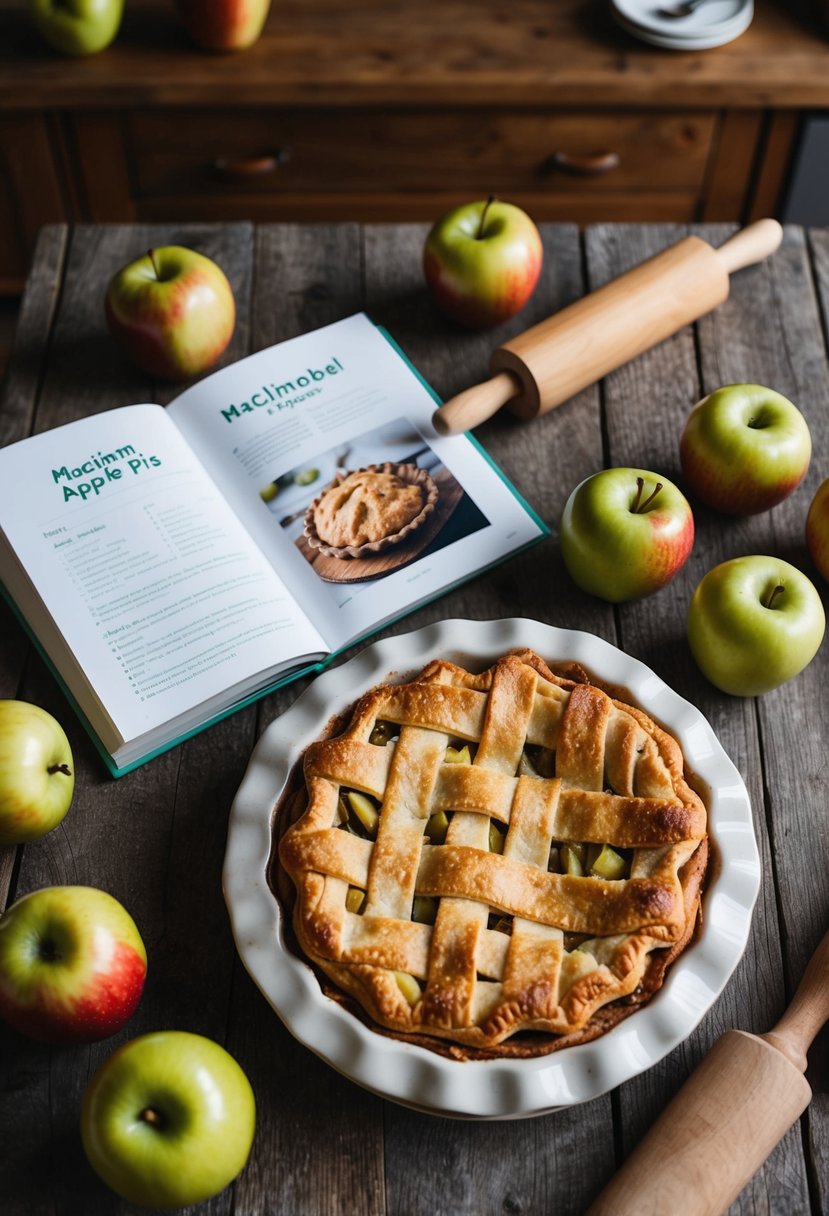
(380, 110)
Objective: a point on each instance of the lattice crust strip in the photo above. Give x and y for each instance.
(511, 939)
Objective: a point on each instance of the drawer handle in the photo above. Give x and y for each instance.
(252, 166)
(585, 166)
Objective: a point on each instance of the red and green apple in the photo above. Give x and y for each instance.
(753, 623)
(172, 311)
(37, 775)
(625, 533)
(223, 25)
(77, 27)
(744, 449)
(482, 262)
(817, 529)
(168, 1119)
(72, 965)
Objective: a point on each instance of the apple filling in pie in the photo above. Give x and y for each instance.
(496, 863)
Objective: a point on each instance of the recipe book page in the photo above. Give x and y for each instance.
(275, 429)
(162, 598)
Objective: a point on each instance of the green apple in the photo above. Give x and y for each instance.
(753, 623)
(36, 772)
(223, 25)
(625, 533)
(817, 529)
(78, 27)
(744, 449)
(482, 262)
(172, 311)
(168, 1119)
(72, 965)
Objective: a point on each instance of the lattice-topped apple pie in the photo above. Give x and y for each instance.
(491, 864)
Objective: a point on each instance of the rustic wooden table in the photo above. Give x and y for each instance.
(156, 838)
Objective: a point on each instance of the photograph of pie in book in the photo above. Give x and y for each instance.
(491, 865)
(364, 509)
(371, 509)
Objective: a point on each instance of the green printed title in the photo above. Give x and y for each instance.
(273, 398)
(89, 479)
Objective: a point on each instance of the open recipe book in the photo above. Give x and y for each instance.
(166, 560)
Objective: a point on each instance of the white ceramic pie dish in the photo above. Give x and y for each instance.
(495, 1089)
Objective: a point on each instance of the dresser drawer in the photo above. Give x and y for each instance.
(284, 152)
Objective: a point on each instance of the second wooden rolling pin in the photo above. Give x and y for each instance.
(729, 1115)
(557, 358)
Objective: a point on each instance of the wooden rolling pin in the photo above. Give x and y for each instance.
(729, 1115)
(557, 358)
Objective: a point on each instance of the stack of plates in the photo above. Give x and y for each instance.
(714, 23)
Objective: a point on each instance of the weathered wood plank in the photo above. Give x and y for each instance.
(532, 1167)
(795, 719)
(817, 1119)
(20, 395)
(33, 334)
(21, 390)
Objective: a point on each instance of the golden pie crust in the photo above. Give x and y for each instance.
(517, 954)
(370, 509)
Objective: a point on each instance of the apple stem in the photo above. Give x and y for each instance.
(59, 768)
(638, 505)
(480, 233)
(775, 591)
(151, 256)
(148, 1115)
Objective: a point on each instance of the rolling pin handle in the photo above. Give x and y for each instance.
(750, 245)
(475, 404)
(807, 1012)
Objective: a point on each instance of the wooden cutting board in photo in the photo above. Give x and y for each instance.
(359, 569)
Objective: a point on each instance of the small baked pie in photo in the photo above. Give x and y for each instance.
(370, 509)
(494, 864)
